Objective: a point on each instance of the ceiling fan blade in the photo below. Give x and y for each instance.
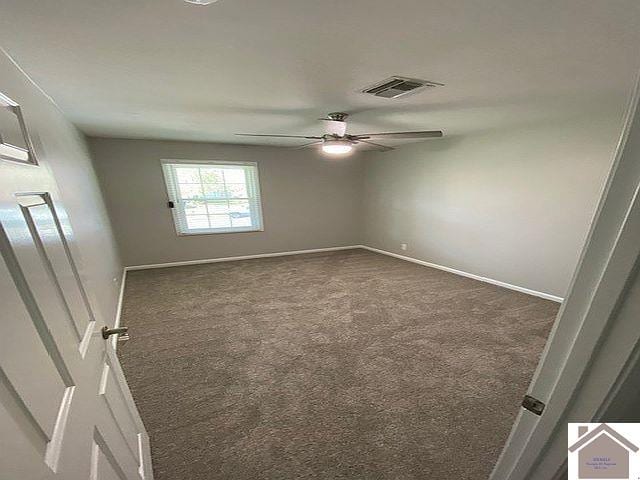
(278, 136)
(307, 145)
(384, 148)
(420, 134)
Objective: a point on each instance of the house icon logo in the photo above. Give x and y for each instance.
(604, 451)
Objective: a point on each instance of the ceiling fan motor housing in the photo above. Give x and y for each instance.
(338, 116)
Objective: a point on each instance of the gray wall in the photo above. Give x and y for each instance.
(309, 201)
(62, 149)
(513, 205)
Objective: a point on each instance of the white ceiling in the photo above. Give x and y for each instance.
(167, 69)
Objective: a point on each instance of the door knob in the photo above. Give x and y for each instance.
(120, 331)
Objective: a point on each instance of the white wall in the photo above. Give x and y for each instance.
(308, 200)
(62, 149)
(512, 205)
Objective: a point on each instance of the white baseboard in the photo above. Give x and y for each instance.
(243, 257)
(528, 291)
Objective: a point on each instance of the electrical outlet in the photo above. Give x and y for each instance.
(403, 246)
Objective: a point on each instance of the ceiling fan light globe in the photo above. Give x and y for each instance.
(334, 127)
(337, 147)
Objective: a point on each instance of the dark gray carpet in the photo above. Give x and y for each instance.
(327, 366)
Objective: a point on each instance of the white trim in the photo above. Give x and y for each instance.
(116, 322)
(123, 279)
(528, 291)
(206, 162)
(243, 257)
(254, 196)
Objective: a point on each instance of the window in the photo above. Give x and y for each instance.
(213, 197)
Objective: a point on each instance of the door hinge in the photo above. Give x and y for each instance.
(533, 404)
(170, 204)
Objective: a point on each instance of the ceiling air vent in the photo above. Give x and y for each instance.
(395, 87)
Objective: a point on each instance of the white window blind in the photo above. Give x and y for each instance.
(213, 197)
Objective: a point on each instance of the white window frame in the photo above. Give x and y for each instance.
(178, 212)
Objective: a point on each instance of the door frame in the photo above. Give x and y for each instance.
(569, 378)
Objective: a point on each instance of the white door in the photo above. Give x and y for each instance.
(65, 409)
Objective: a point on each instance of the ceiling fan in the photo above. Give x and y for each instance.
(337, 142)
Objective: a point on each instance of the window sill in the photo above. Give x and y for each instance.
(229, 232)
